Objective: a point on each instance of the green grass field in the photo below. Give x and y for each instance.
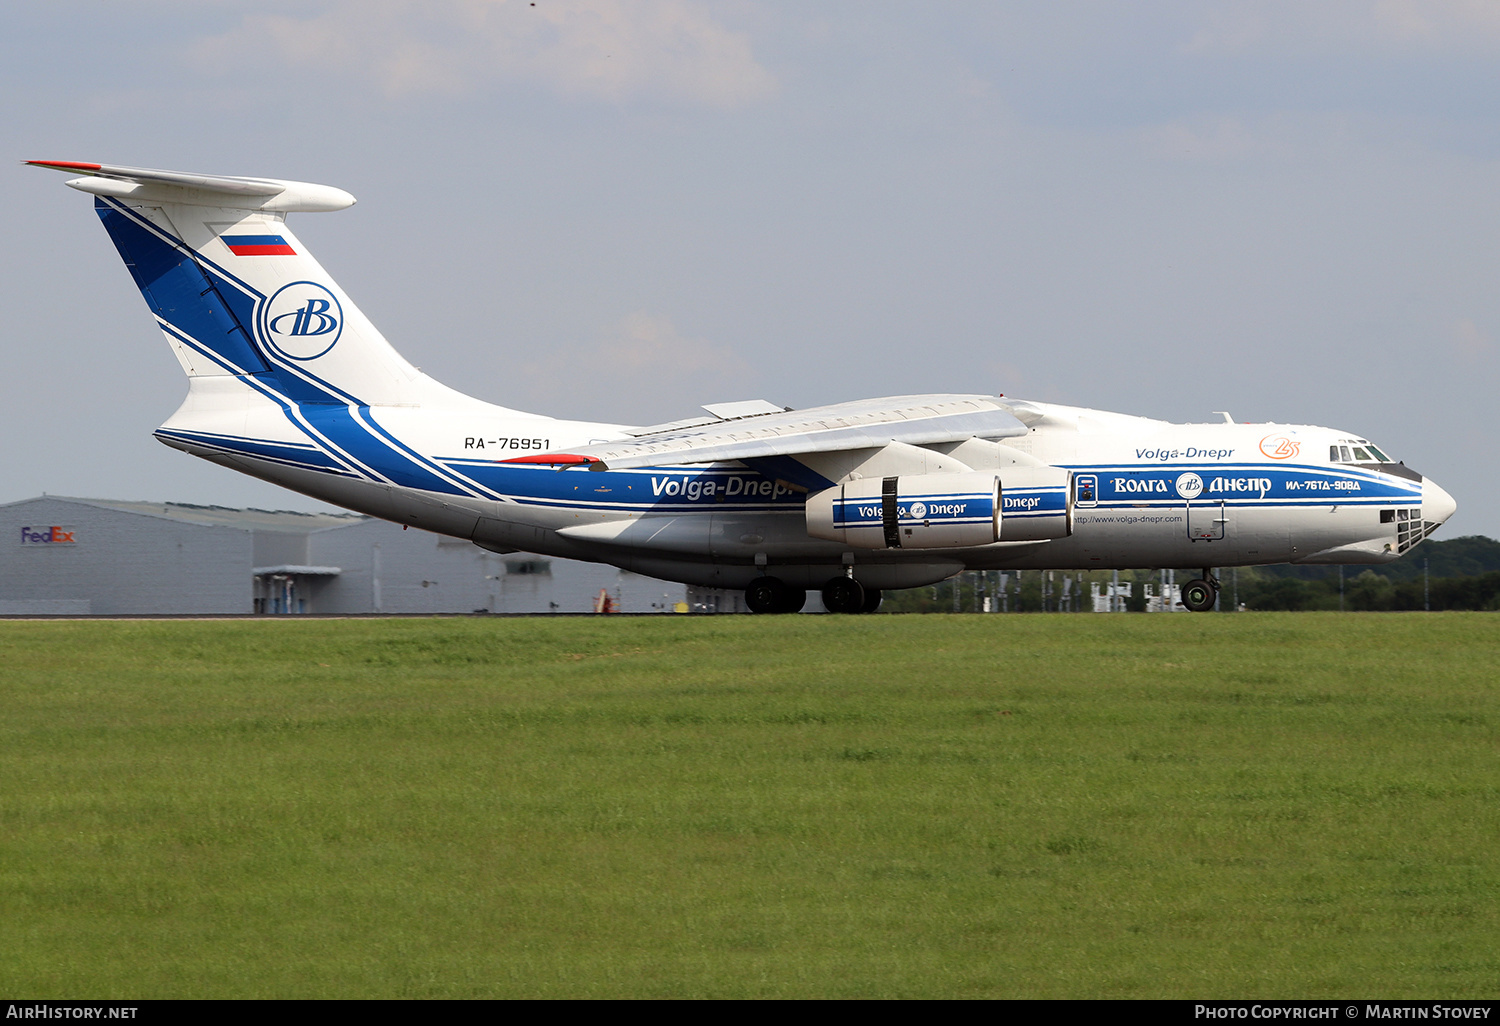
(1266, 805)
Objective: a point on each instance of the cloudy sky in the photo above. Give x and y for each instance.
(621, 209)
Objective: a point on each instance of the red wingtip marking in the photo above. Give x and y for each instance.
(71, 165)
(553, 459)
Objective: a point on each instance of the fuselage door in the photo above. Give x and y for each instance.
(1086, 490)
(1206, 519)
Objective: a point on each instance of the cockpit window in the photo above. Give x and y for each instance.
(1360, 451)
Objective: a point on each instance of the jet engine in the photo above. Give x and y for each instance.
(929, 511)
(1036, 504)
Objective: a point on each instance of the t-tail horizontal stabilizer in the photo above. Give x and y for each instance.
(148, 185)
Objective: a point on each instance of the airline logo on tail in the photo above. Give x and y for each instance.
(302, 321)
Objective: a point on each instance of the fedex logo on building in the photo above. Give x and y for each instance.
(48, 536)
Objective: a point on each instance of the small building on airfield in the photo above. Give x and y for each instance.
(79, 557)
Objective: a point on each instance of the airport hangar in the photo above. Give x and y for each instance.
(78, 557)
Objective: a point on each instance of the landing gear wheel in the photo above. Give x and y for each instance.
(792, 600)
(844, 595)
(1199, 595)
(872, 600)
(767, 595)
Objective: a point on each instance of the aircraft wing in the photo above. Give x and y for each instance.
(866, 423)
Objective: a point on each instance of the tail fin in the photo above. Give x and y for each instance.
(236, 293)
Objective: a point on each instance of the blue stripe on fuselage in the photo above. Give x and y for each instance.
(659, 489)
(296, 454)
(1246, 484)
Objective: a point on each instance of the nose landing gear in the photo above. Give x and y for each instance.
(844, 595)
(1201, 594)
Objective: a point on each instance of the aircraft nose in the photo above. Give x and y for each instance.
(1437, 504)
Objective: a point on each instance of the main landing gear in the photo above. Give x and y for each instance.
(1201, 594)
(840, 595)
(773, 595)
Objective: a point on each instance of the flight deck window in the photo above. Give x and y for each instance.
(1382, 457)
(1333, 454)
(1344, 454)
(1361, 456)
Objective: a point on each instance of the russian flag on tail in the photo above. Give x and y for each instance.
(258, 245)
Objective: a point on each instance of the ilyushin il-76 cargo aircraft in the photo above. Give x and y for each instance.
(288, 381)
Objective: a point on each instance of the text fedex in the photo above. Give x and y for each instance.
(48, 536)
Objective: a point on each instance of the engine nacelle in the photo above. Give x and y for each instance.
(1036, 504)
(930, 511)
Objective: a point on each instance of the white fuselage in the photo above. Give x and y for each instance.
(1146, 493)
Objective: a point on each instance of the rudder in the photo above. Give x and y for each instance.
(203, 329)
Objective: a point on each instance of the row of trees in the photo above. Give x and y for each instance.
(1463, 573)
(1371, 591)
